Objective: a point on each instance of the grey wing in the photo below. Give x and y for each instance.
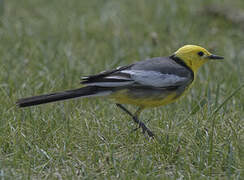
(156, 79)
(112, 78)
(151, 73)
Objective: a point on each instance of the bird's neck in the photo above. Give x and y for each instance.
(185, 64)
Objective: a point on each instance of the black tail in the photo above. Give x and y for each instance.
(59, 96)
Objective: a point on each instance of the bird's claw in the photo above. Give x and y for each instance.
(144, 129)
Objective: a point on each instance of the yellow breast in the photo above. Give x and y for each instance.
(123, 97)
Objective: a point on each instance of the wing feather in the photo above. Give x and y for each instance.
(156, 72)
(112, 78)
(155, 79)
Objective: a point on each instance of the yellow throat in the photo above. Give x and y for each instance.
(195, 56)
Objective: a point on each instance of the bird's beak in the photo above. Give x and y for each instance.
(214, 57)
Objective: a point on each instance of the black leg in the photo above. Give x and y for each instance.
(136, 120)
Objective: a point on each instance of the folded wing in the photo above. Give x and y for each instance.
(155, 79)
(127, 76)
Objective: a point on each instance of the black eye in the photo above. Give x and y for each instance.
(200, 53)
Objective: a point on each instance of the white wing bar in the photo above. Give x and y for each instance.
(142, 77)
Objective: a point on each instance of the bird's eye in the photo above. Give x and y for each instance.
(200, 53)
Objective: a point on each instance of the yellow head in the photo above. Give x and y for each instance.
(195, 56)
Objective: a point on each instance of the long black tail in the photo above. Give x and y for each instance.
(59, 96)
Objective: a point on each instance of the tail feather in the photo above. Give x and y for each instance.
(58, 96)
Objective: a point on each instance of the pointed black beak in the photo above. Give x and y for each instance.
(215, 57)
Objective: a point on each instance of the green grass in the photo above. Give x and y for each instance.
(46, 46)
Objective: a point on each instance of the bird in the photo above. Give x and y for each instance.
(145, 84)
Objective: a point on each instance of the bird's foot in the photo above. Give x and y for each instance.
(136, 120)
(143, 127)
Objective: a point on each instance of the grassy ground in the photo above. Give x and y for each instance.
(47, 45)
